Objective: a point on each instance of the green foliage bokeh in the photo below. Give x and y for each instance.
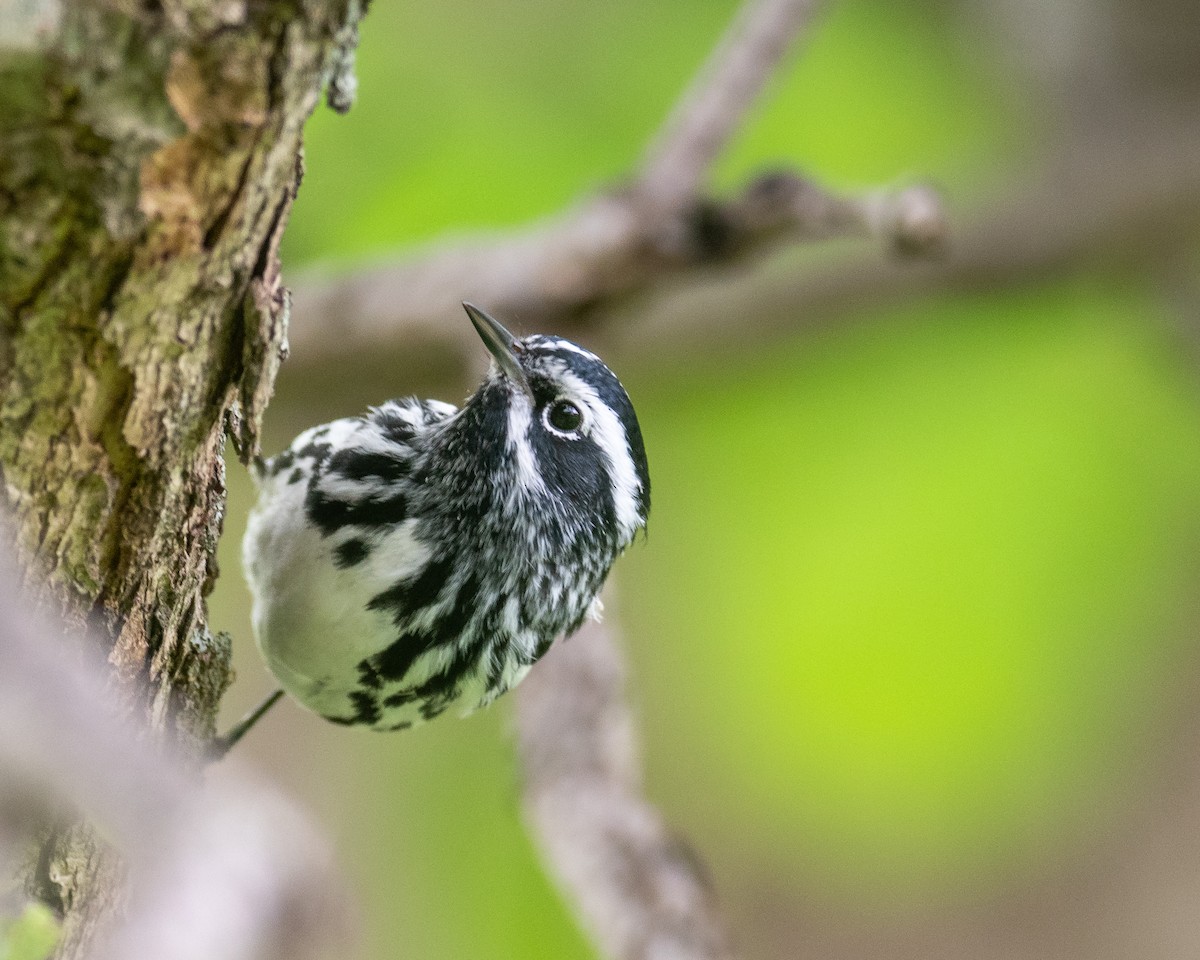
(30, 936)
(912, 594)
(932, 598)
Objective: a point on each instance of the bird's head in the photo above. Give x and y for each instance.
(570, 428)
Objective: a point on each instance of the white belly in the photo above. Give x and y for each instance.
(311, 619)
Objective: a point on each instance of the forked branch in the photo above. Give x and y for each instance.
(658, 226)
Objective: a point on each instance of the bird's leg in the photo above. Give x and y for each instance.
(222, 745)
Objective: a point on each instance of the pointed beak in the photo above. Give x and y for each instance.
(501, 344)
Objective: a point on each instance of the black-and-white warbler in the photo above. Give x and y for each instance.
(422, 557)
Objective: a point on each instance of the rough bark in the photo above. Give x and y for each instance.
(149, 154)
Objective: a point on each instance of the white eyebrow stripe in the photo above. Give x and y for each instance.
(552, 346)
(606, 427)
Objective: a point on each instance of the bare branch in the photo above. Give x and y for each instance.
(700, 126)
(595, 254)
(1125, 195)
(1129, 190)
(230, 871)
(626, 239)
(638, 888)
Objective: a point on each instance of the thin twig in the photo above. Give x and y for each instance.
(1123, 197)
(715, 105)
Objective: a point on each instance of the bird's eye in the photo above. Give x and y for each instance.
(564, 416)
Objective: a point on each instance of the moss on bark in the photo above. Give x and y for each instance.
(149, 155)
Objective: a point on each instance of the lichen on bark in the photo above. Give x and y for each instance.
(149, 154)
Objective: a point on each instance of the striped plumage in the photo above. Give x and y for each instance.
(421, 557)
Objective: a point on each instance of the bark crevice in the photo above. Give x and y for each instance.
(148, 161)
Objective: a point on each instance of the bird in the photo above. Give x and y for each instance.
(421, 558)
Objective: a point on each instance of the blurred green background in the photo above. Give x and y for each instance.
(909, 622)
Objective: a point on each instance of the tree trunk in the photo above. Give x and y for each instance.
(149, 154)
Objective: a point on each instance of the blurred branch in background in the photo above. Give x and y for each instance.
(626, 240)
(598, 253)
(1128, 189)
(1128, 193)
(712, 110)
(234, 872)
(638, 888)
